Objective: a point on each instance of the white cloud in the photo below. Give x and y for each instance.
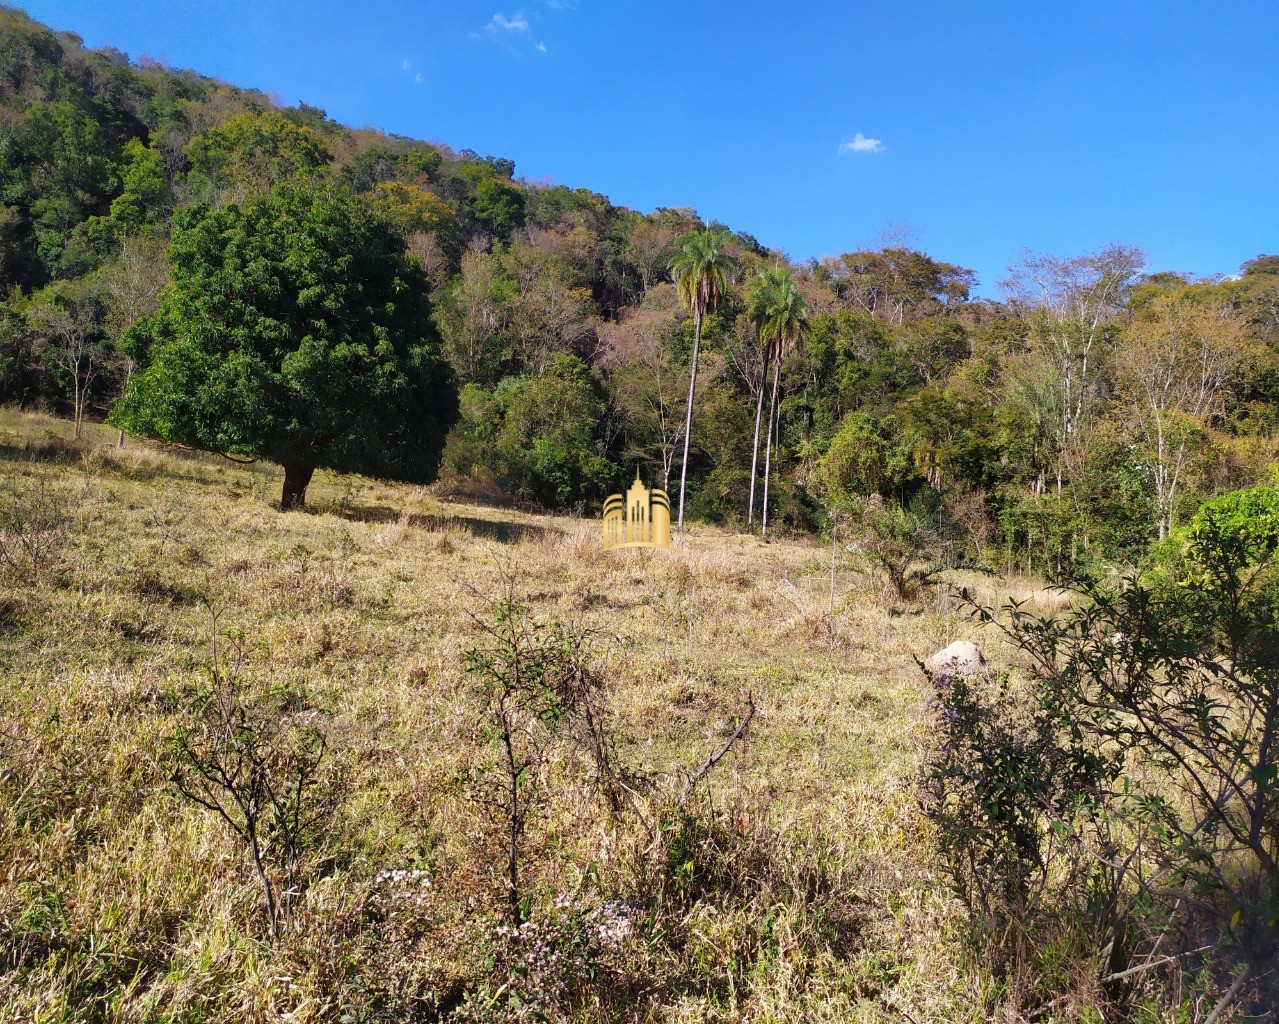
(541, 47)
(405, 65)
(861, 144)
(501, 23)
(418, 78)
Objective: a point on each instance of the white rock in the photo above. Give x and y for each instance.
(958, 661)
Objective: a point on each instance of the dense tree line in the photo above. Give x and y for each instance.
(1081, 418)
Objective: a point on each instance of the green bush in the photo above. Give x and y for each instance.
(868, 456)
(1148, 734)
(538, 434)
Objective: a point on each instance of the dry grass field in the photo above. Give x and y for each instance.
(797, 881)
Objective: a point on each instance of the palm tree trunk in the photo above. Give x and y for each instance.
(759, 408)
(688, 416)
(768, 447)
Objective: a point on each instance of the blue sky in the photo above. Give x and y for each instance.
(978, 129)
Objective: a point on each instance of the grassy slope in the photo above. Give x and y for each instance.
(122, 902)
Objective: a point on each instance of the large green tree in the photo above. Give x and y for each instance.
(296, 329)
(701, 269)
(499, 206)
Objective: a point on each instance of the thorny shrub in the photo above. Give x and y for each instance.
(35, 524)
(254, 760)
(1147, 738)
(537, 695)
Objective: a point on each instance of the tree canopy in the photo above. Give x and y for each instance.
(296, 330)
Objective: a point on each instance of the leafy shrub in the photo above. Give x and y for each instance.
(867, 457)
(538, 435)
(1149, 735)
(1011, 763)
(1046, 529)
(909, 548)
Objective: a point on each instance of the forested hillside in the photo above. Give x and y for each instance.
(1081, 418)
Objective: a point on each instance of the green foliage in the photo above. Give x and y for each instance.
(701, 268)
(895, 282)
(1009, 764)
(1153, 714)
(68, 322)
(412, 163)
(420, 163)
(777, 311)
(950, 435)
(415, 210)
(316, 118)
(722, 495)
(867, 456)
(58, 168)
(145, 199)
(1047, 528)
(537, 435)
(1118, 511)
(499, 206)
(1240, 529)
(1108, 517)
(253, 152)
(31, 50)
(548, 444)
(852, 364)
(552, 205)
(295, 330)
(22, 375)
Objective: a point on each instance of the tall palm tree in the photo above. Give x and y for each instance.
(787, 325)
(701, 270)
(765, 295)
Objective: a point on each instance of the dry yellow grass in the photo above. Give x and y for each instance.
(125, 903)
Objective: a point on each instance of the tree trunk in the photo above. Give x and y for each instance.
(128, 376)
(834, 530)
(768, 446)
(688, 416)
(296, 479)
(76, 411)
(759, 409)
(514, 824)
(272, 911)
(513, 864)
